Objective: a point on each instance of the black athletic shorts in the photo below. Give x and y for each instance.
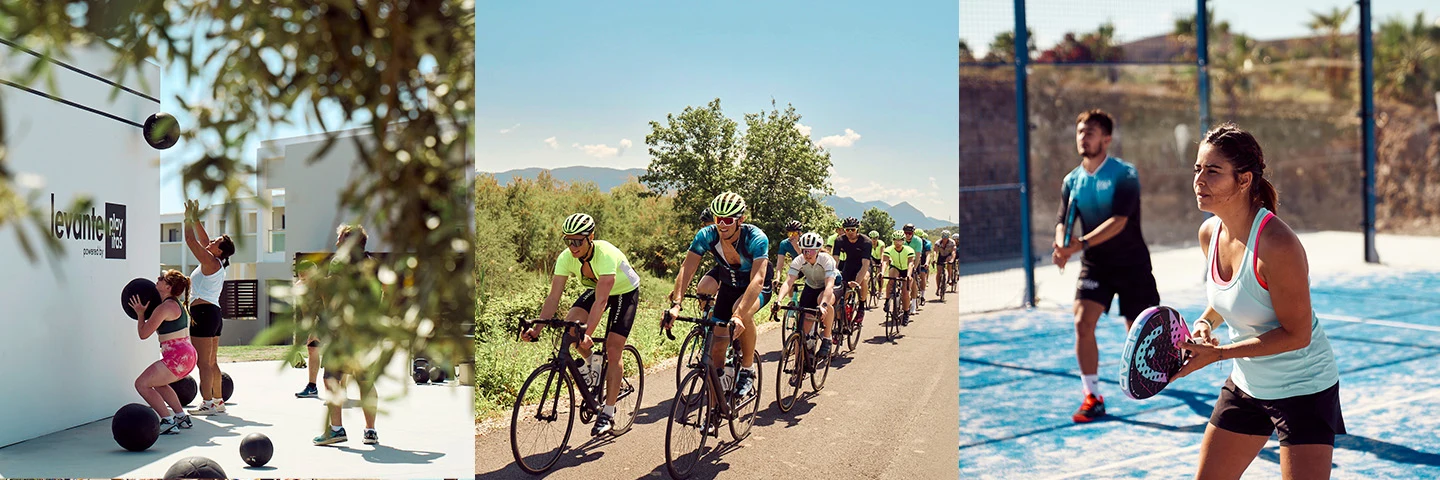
(729, 297)
(621, 307)
(1312, 419)
(207, 321)
(810, 297)
(1134, 285)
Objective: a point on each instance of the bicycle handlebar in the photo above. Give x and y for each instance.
(553, 322)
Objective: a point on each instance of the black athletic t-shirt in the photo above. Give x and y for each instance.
(851, 254)
(1113, 190)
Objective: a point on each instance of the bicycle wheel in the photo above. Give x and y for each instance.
(743, 410)
(892, 318)
(690, 354)
(788, 367)
(685, 432)
(853, 339)
(632, 388)
(822, 369)
(539, 431)
(787, 323)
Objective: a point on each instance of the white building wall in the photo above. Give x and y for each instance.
(69, 354)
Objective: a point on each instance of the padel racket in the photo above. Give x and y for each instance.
(1152, 354)
(1071, 211)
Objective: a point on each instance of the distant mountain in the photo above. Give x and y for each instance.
(605, 178)
(608, 178)
(903, 213)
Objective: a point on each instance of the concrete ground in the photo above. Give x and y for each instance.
(427, 433)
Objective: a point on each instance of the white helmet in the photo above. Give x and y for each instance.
(811, 240)
(945, 234)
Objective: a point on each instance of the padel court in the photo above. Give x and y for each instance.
(1019, 382)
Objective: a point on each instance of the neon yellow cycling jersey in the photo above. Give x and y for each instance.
(878, 250)
(900, 259)
(605, 259)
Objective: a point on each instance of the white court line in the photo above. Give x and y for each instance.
(1269, 444)
(1384, 323)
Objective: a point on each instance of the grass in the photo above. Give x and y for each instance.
(251, 353)
(506, 362)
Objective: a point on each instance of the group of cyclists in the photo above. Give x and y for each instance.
(739, 284)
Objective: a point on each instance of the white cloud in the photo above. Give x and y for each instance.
(552, 143)
(599, 151)
(836, 141)
(624, 145)
(511, 129)
(804, 130)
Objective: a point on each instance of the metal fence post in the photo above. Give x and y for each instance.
(1022, 126)
(1367, 121)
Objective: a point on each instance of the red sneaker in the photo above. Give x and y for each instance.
(1091, 409)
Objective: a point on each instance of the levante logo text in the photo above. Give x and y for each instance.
(109, 229)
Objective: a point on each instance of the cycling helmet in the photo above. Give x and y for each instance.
(920, 233)
(794, 226)
(728, 204)
(909, 227)
(705, 216)
(945, 234)
(811, 240)
(851, 222)
(873, 234)
(578, 224)
(898, 235)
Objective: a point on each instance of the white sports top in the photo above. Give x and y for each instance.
(1244, 302)
(207, 287)
(817, 274)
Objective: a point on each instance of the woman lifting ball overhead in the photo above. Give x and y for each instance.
(208, 279)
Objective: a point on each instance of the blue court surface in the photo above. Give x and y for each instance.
(1019, 384)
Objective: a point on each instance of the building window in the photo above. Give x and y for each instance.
(250, 223)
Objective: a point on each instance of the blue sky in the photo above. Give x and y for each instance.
(980, 20)
(575, 83)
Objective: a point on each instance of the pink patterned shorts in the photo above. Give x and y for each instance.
(179, 355)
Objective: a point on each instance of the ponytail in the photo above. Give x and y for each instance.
(1263, 193)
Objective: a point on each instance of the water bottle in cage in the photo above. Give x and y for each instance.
(810, 342)
(596, 364)
(727, 378)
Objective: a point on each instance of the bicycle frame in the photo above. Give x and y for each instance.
(590, 399)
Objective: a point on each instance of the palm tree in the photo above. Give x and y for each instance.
(1233, 69)
(1002, 49)
(966, 56)
(1331, 25)
(1407, 60)
(1185, 33)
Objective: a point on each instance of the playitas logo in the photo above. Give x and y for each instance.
(109, 229)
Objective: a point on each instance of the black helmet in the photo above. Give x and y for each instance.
(851, 222)
(794, 226)
(909, 227)
(705, 215)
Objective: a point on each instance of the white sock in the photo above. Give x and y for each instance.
(336, 428)
(1092, 384)
(178, 413)
(609, 410)
(370, 430)
(170, 419)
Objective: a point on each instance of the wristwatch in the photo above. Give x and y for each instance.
(1084, 244)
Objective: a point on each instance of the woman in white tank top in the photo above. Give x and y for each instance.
(206, 282)
(1284, 377)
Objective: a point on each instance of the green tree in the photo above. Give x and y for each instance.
(692, 156)
(966, 56)
(286, 59)
(783, 173)
(1002, 48)
(1338, 49)
(699, 154)
(1407, 60)
(878, 220)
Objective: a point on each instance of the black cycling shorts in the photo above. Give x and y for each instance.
(621, 307)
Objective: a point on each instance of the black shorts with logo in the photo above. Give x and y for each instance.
(622, 310)
(1312, 419)
(1135, 286)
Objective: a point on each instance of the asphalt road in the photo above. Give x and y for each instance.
(888, 410)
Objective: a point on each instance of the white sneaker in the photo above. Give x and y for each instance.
(208, 408)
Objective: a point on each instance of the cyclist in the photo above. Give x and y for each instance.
(789, 247)
(611, 283)
(830, 241)
(852, 248)
(706, 218)
(945, 258)
(818, 269)
(877, 249)
(916, 244)
(896, 263)
(926, 262)
(743, 274)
